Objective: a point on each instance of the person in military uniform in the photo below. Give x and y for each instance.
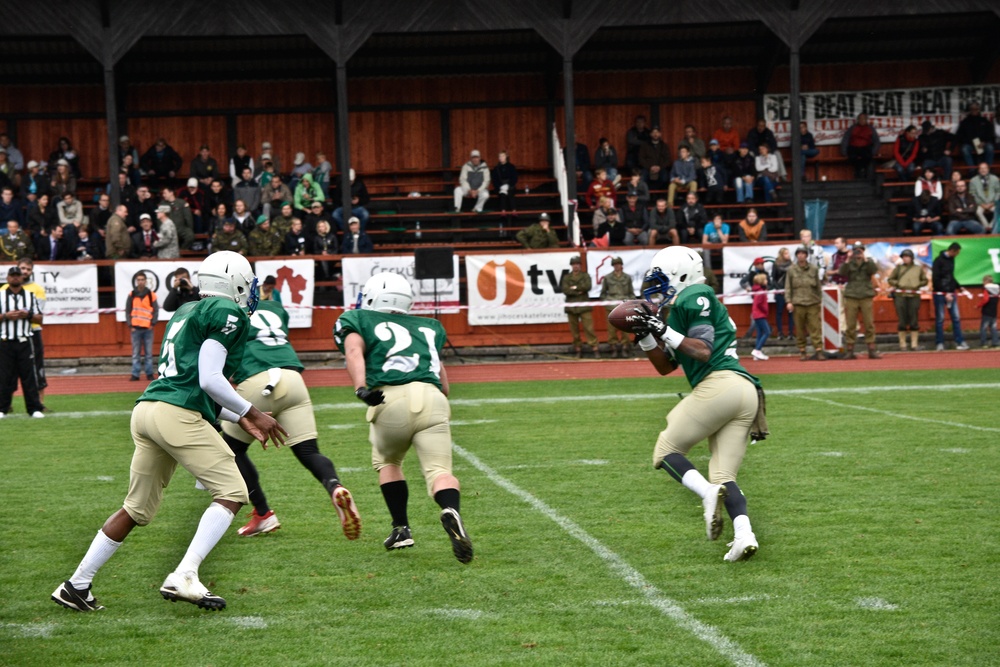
(16, 244)
(263, 241)
(538, 235)
(172, 422)
(576, 288)
(270, 377)
(693, 330)
(394, 361)
(804, 297)
(282, 224)
(617, 286)
(229, 238)
(858, 296)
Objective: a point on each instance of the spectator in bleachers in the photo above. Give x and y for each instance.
(217, 194)
(128, 160)
(237, 163)
(263, 241)
(312, 217)
(905, 281)
(599, 188)
(166, 244)
(639, 188)
(265, 170)
(15, 156)
(34, 183)
(8, 175)
(473, 182)
(928, 181)
(54, 246)
(654, 159)
(219, 215)
(948, 186)
(181, 215)
(768, 171)
(693, 219)
(976, 136)
(324, 243)
(860, 145)
(63, 180)
(306, 192)
(936, 148)
(117, 239)
(126, 191)
(717, 156)
(245, 222)
(204, 167)
(988, 319)
(945, 297)
(634, 219)
(606, 157)
(161, 163)
(65, 151)
(611, 232)
(758, 268)
(321, 173)
(267, 154)
(753, 228)
(962, 212)
(617, 286)
(15, 243)
(42, 217)
(727, 136)
(229, 238)
(274, 195)
(744, 170)
(694, 143)
(99, 216)
(296, 242)
(132, 172)
(584, 170)
(355, 239)
(762, 134)
(662, 224)
(636, 136)
(539, 234)
(70, 211)
(193, 196)
(905, 152)
(11, 208)
(716, 231)
(778, 270)
(504, 180)
(925, 211)
(282, 223)
(300, 168)
(808, 143)
(683, 174)
(248, 190)
(713, 178)
(359, 201)
(985, 190)
(604, 205)
(144, 238)
(143, 203)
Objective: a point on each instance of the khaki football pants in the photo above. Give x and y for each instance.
(289, 403)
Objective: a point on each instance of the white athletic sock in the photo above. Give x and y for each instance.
(100, 551)
(213, 525)
(695, 481)
(741, 525)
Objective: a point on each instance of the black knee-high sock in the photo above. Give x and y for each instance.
(249, 473)
(321, 467)
(448, 498)
(676, 465)
(736, 502)
(396, 495)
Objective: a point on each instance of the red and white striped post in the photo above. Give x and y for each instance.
(831, 319)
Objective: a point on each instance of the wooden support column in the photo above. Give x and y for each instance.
(568, 111)
(343, 143)
(795, 146)
(111, 117)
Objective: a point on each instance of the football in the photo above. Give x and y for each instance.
(625, 313)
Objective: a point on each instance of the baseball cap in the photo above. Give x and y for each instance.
(474, 153)
(63, 162)
(123, 138)
(744, 144)
(353, 218)
(145, 216)
(32, 164)
(713, 142)
(544, 216)
(858, 245)
(265, 156)
(14, 271)
(192, 182)
(300, 157)
(261, 219)
(266, 145)
(315, 204)
(759, 260)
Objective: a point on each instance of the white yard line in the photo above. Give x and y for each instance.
(726, 647)
(897, 415)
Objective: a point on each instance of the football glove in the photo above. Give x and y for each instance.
(654, 326)
(372, 397)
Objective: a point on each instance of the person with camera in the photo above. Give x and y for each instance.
(182, 291)
(858, 296)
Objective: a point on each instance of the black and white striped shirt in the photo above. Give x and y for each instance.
(11, 329)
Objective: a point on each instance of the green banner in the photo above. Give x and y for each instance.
(980, 257)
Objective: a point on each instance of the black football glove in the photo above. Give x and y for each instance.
(372, 397)
(648, 324)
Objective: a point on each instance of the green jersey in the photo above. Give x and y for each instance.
(192, 324)
(267, 345)
(399, 349)
(696, 310)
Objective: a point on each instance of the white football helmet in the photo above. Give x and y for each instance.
(386, 293)
(229, 274)
(673, 269)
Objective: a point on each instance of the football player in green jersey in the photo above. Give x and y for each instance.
(726, 404)
(172, 423)
(394, 361)
(270, 377)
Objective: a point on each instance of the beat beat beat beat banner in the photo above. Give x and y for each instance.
(890, 111)
(516, 289)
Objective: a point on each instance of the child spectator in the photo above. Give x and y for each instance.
(988, 320)
(599, 187)
(759, 314)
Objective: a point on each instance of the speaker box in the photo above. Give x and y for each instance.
(433, 264)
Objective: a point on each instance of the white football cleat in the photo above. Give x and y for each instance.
(741, 548)
(713, 503)
(186, 587)
(38, 414)
(759, 355)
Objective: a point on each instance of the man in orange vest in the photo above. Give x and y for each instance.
(141, 311)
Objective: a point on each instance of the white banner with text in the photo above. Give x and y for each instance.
(516, 289)
(358, 269)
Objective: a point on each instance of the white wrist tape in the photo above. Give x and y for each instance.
(672, 338)
(648, 343)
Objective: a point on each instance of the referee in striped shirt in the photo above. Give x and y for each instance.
(18, 309)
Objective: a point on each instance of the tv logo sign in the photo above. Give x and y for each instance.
(516, 289)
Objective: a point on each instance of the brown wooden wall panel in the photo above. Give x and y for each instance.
(876, 75)
(229, 95)
(89, 136)
(395, 140)
(52, 99)
(663, 83)
(522, 132)
(446, 90)
(289, 134)
(185, 134)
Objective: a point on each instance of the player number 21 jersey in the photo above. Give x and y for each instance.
(399, 349)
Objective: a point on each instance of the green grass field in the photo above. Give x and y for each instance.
(870, 501)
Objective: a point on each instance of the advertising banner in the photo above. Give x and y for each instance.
(516, 289)
(979, 257)
(635, 264)
(70, 292)
(358, 269)
(159, 278)
(296, 283)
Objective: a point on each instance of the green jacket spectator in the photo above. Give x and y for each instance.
(538, 235)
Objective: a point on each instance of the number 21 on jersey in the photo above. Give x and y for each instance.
(396, 359)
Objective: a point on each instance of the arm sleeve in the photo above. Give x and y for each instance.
(211, 360)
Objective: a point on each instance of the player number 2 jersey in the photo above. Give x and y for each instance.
(399, 349)
(698, 306)
(267, 344)
(191, 325)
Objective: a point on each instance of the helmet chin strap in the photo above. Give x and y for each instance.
(253, 298)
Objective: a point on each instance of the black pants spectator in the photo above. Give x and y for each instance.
(17, 361)
(861, 158)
